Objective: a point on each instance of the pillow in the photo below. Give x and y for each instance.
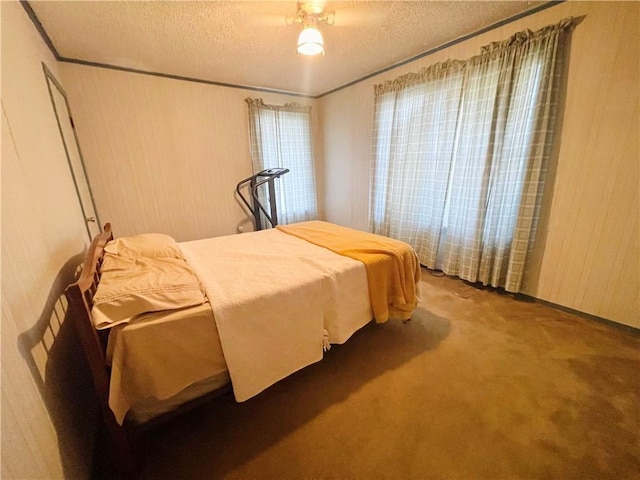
(132, 286)
(154, 245)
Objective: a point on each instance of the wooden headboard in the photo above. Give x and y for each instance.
(80, 298)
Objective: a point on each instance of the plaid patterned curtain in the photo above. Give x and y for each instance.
(280, 136)
(460, 155)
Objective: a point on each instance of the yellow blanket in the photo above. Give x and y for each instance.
(393, 269)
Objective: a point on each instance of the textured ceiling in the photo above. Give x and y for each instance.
(248, 43)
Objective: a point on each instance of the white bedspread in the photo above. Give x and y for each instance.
(272, 296)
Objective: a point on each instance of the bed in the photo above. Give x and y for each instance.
(164, 324)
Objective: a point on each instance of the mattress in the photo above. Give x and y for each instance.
(157, 355)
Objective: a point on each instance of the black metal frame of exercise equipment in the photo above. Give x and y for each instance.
(265, 176)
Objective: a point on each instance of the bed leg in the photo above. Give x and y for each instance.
(124, 445)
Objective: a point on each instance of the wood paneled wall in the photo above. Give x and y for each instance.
(44, 434)
(587, 254)
(164, 155)
(590, 259)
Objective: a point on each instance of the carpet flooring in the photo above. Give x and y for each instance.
(478, 385)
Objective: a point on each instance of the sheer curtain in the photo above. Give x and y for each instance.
(414, 145)
(460, 153)
(280, 136)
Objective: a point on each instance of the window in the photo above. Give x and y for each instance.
(460, 154)
(281, 136)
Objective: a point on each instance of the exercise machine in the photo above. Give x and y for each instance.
(256, 207)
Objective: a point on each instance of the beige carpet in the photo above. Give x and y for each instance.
(478, 385)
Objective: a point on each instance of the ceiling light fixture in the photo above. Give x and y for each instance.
(310, 40)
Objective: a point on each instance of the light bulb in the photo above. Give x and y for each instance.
(310, 41)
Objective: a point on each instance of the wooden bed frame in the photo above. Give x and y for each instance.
(80, 298)
(125, 440)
